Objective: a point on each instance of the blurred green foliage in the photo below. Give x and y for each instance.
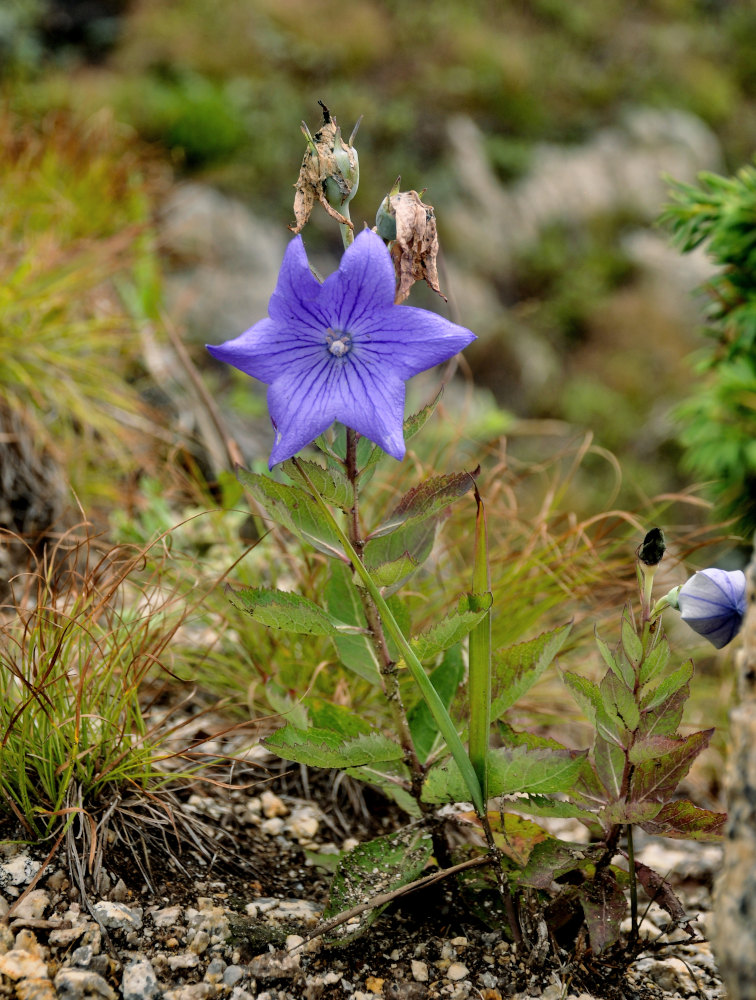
(718, 420)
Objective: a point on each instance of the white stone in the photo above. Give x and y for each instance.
(33, 905)
(78, 983)
(419, 971)
(20, 964)
(139, 980)
(167, 917)
(18, 871)
(272, 805)
(457, 971)
(118, 916)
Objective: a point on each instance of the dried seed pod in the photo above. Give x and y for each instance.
(409, 227)
(330, 173)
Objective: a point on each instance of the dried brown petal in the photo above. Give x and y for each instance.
(415, 249)
(329, 173)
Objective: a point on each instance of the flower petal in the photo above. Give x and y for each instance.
(373, 405)
(265, 351)
(713, 603)
(364, 283)
(295, 303)
(411, 340)
(301, 406)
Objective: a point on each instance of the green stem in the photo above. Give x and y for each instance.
(347, 232)
(429, 693)
(479, 682)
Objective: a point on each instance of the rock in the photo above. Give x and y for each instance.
(35, 989)
(419, 971)
(118, 916)
(139, 980)
(21, 964)
(272, 805)
(274, 965)
(185, 960)
(18, 871)
(65, 936)
(303, 824)
(196, 992)
(670, 974)
(81, 984)
(215, 970)
(7, 939)
(33, 905)
(167, 917)
(232, 974)
(457, 971)
(82, 956)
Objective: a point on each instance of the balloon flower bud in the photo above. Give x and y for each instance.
(713, 603)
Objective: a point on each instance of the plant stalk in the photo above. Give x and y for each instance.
(436, 706)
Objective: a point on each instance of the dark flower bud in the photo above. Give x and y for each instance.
(651, 550)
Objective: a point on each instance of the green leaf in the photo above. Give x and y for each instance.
(585, 693)
(542, 805)
(512, 738)
(394, 558)
(446, 679)
(551, 859)
(665, 718)
(338, 719)
(510, 770)
(331, 484)
(658, 778)
(624, 812)
(515, 669)
(393, 779)
(356, 652)
(290, 612)
(617, 664)
(671, 684)
(376, 867)
(650, 747)
(655, 662)
(426, 500)
(453, 628)
(610, 765)
(323, 748)
(295, 510)
(632, 646)
(416, 421)
(619, 703)
(684, 820)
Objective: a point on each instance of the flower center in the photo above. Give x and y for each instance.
(339, 342)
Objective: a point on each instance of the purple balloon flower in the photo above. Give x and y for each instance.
(713, 603)
(340, 350)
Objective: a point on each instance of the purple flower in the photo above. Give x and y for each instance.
(713, 603)
(341, 350)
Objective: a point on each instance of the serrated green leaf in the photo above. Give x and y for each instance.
(625, 811)
(426, 500)
(323, 748)
(631, 644)
(356, 652)
(655, 662)
(451, 629)
(376, 867)
(395, 557)
(653, 699)
(551, 859)
(510, 738)
(294, 509)
(617, 664)
(610, 765)
(338, 719)
(515, 669)
(416, 421)
(684, 820)
(658, 778)
(289, 612)
(585, 693)
(619, 702)
(649, 748)
(446, 679)
(331, 484)
(510, 770)
(542, 805)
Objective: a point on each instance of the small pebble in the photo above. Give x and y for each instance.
(457, 971)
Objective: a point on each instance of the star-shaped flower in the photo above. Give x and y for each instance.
(340, 350)
(713, 603)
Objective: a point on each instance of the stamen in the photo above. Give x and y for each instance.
(339, 342)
